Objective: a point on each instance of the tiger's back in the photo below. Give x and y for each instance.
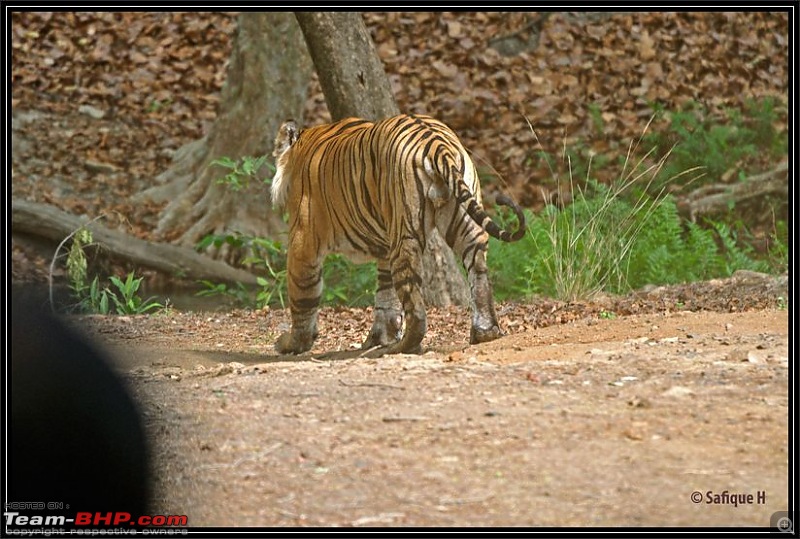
(376, 190)
(376, 171)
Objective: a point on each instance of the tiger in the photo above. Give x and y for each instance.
(375, 191)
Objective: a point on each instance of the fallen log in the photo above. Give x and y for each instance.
(720, 196)
(46, 221)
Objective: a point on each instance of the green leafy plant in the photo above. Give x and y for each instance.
(590, 241)
(345, 283)
(238, 293)
(779, 247)
(265, 255)
(97, 299)
(509, 263)
(242, 170)
(126, 299)
(561, 244)
(274, 286)
(89, 295)
(156, 105)
(674, 251)
(596, 115)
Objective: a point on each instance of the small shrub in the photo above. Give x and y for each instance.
(126, 299)
(242, 171)
(93, 299)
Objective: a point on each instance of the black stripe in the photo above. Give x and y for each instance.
(305, 304)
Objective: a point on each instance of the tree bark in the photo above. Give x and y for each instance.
(349, 70)
(355, 84)
(266, 83)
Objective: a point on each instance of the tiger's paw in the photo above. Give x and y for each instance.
(379, 338)
(387, 328)
(479, 335)
(289, 343)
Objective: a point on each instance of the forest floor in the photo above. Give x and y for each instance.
(578, 417)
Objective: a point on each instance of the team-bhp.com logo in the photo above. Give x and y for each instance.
(102, 519)
(94, 519)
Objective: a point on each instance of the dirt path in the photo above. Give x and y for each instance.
(594, 422)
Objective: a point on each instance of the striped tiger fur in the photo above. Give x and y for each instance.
(375, 191)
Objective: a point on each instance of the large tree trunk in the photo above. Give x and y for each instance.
(267, 82)
(349, 70)
(355, 84)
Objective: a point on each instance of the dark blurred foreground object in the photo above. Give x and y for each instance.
(76, 435)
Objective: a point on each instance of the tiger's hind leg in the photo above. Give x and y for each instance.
(305, 289)
(406, 264)
(469, 241)
(387, 326)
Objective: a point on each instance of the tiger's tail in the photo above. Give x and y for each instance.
(447, 169)
(287, 136)
(479, 215)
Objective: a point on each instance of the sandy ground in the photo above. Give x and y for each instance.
(606, 421)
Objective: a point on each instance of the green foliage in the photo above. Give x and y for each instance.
(671, 251)
(570, 255)
(512, 266)
(91, 298)
(732, 145)
(256, 251)
(267, 256)
(779, 247)
(238, 293)
(242, 171)
(344, 283)
(156, 105)
(596, 115)
(590, 241)
(126, 300)
(618, 237)
(76, 263)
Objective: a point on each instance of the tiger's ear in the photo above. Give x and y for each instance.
(287, 135)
